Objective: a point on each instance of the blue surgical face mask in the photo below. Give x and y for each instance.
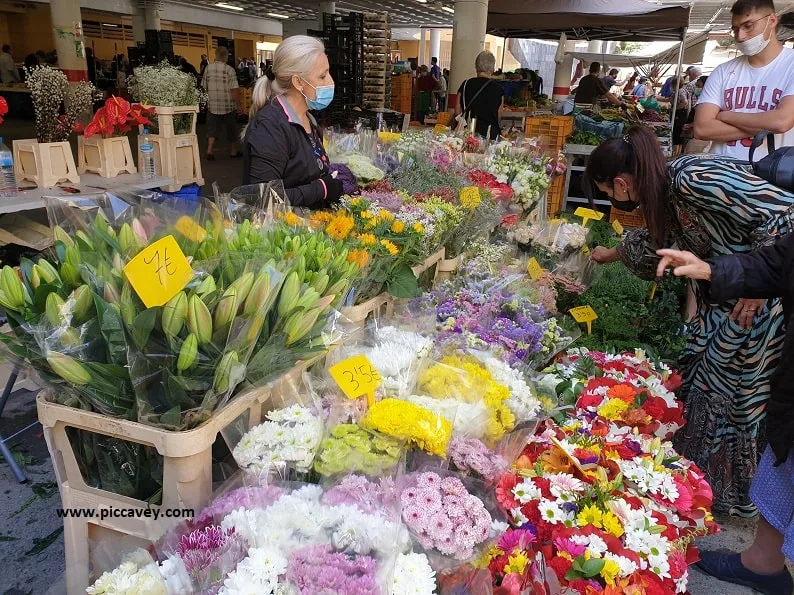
(324, 96)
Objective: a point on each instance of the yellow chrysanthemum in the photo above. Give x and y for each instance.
(391, 247)
(385, 215)
(418, 227)
(320, 218)
(610, 571)
(406, 421)
(360, 257)
(354, 202)
(292, 219)
(613, 409)
(516, 563)
(367, 215)
(612, 524)
(368, 239)
(372, 223)
(398, 226)
(340, 227)
(590, 515)
(470, 198)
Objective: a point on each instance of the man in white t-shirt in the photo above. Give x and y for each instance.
(753, 92)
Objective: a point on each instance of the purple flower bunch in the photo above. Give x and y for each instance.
(319, 569)
(210, 553)
(356, 490)
(443, 515)
(245, 497)
(470, 454)
(391, 201)
(346, 176)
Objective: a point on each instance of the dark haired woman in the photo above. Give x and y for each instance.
(710, 207)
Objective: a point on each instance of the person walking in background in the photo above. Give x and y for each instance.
(481, 98)
(426, 85)
(220, 82)
(643, 90)
(611, 79)
(711, 207)
(203, 66)
(435, 69)
(592, 89)
(753, 92)
(187, 67)
(8, 68)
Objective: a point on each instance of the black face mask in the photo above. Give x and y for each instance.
(624, 205)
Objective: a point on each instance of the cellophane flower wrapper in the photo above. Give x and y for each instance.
(449, 516)
(482, 215)
(260, 204)
(348, 448)
(551, 241)
(138, 572)
(408, 421)
(284, 445)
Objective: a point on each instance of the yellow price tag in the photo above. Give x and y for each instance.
(585, 250)
(618, 227)
(159, 272)
(587, 214)
(356, 376)
(439, 129)
(584, 314)
(190, 229)
(653, 292)
(534, 269)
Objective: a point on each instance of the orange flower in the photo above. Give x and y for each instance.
(360, 257)
(624, 392)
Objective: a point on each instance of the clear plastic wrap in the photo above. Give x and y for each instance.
(259, 204)
(349, 448)
(138, 572)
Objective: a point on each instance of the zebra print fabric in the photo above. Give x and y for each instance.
(718, 206)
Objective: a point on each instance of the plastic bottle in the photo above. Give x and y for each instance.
(146, 165)
(8, 179)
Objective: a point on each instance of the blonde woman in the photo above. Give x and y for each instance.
(282, 140)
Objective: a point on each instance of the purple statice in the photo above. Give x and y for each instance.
(245, 497)
(209, 554)
(344, 175)
(358, 491)
(391, 201)
(319, 569)
(387, 162)
(443, 515)
(470, 454)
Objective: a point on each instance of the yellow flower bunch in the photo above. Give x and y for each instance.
(465, 379)
(340, 226)
(359, 256)
(367, 215)
(517, 563)
(470, 198)
(391, 247)
(368, 239)
(398, 226)
(613, 409)
(385, 215)
(608, 521)
(290, 219)
(319, 219)
(418, 227)
(354, 202)
(406, 421)
(610, 571)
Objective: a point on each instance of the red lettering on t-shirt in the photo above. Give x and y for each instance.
(728, 99)
(776, 94)
(763, 105)
(751, 104)
(741, 97)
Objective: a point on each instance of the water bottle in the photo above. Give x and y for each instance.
(146, 164)
(8, 179)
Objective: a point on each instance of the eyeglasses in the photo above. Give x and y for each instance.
(749, 26)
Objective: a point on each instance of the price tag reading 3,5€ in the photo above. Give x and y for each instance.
(357, 377)
(584, 314)
(159, 272)
(587, 214)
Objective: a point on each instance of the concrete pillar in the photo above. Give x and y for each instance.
(435, 45)
(423, 48)
(151, 17)
(468, 39)
(324, 7)
(562, 74)
(139, 26)
(67, 30)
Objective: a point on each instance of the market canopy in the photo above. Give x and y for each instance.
(630, 20)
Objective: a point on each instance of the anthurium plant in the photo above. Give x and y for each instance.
(117, 117)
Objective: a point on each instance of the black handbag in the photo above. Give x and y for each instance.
(778, 166)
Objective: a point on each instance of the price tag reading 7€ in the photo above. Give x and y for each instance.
(618, 227)
(356, 376)
(534, 269)
(584, 314)
(587, 214)
(159, 272)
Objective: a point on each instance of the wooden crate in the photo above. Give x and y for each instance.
(554, 130)
(359, 315)
(44, 164)
(635, 219)
(556, 194)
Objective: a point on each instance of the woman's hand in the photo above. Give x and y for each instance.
(745, 311)
(601, 255)
(685, 264)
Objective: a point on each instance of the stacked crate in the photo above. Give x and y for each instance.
(344, 44)
(553, 130)
(401, 93)
(377, 61)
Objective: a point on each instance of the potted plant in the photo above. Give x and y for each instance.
(104, 147)
(58, 104)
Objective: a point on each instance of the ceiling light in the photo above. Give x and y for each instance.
(109, 25)
(228, 6)
(422, 1)
(448, 9)
(275, 15)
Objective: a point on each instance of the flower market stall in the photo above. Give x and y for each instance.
(485, 431)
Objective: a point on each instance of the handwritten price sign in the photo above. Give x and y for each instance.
(534, 269)
(584, 314)
(159, 272)
(357, 377)
(190, 229)
(587, 214)
(618, 227)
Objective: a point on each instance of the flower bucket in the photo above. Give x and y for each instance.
(176, 151)
(107, 157)
(447, 268)
(44, 164)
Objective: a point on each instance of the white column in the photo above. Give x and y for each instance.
(562, 74)
(324, 7)
(468, 39)
(435, 45)
(67, 31)
(422, 48)
(139, 25)
(594, 47)
(151, 16)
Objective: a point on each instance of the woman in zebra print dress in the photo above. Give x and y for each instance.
(708, 206)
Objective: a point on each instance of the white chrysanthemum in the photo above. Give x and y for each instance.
(522, 401)
(130, 579)
(258, 573)
(526, 491)
(467, 418)
(627, 567)
(397, 356)
(551, 512)
(659, 565)
(175, 575)
(518, 518)
(413, 576)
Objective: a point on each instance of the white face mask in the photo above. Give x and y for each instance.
(755, 45)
